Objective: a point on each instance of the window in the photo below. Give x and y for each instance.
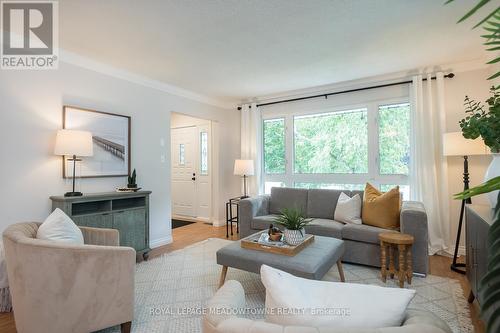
(269, 185)
(404, 189)
(204, 153)
(331, 142)
(182, 157)
(274, 146)
(394, 139)
(340, 148)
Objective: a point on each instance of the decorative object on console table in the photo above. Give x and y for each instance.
(402, 243)
(230, 217)
(244, 168)
(454, 144)
(126, 212)
(110, 137)
(132, 180)
(75, 144)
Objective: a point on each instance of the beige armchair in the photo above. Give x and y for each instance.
(62, 288)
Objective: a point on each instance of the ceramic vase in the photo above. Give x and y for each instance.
(294, 237)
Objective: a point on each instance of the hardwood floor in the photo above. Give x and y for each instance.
(196, 232)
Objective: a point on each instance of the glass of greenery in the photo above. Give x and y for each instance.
(294, 222)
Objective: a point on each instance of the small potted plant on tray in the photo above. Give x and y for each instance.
(294, 222)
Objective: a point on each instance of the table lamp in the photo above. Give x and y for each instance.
(244, 168)
(454, 144)
(73, 143)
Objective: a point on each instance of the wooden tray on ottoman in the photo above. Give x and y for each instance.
(251, 242)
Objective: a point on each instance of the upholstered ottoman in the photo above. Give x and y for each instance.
(311, 263)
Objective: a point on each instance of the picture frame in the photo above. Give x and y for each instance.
(111, 136)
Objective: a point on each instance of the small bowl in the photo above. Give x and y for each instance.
(275, 237)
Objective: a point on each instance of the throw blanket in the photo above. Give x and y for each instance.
(5, 302)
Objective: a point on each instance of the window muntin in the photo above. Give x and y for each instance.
(335, 142)
(394, 139)
(274, 146)
(330, 186)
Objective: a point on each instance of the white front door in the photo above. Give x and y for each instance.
(191, 178)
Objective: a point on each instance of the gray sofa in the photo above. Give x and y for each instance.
(361, 241)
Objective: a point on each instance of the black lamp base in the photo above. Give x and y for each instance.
(455, 267)
(73, 194)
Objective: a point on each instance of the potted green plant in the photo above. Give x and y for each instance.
(484, 121)
(294, 222)
(132, 180)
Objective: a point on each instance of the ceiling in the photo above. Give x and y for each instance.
(237, 49)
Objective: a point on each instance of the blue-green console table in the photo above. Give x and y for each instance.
(126, 212)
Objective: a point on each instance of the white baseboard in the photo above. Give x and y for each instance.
(218, 223)
(160, 242)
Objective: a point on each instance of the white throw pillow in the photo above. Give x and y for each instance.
(59, 227)
(331, 304)
(348, 209)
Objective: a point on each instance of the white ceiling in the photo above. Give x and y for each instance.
(237, 49)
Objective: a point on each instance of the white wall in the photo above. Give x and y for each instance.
(31, 112)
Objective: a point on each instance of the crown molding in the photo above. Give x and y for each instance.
(87, 63)
(99, 67)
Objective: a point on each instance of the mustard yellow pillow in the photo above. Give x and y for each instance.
(381, 209)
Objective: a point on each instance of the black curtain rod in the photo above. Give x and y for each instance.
(449, 76)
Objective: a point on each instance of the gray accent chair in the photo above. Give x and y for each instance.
(361, 241)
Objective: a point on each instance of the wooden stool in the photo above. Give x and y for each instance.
(403, 243)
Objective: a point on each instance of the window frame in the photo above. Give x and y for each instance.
(289, 178)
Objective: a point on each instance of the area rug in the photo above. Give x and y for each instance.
(171, 290)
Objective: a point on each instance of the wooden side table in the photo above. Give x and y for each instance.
(402, 243)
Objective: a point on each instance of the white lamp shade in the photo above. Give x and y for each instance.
(72, 142)
(243, 167)
(454, 144)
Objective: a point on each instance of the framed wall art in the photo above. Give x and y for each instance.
(111, 142)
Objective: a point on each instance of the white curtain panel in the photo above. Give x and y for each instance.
(429, 169)
(251, 145)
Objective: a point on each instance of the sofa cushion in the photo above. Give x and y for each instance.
(348, 209)
(59, 227)
(291, 198)
(321, 203)
(362, 233)
(263, 222)
(358, 307)
(381, 209)
(325, 227)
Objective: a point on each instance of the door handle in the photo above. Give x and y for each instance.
(194, 178)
